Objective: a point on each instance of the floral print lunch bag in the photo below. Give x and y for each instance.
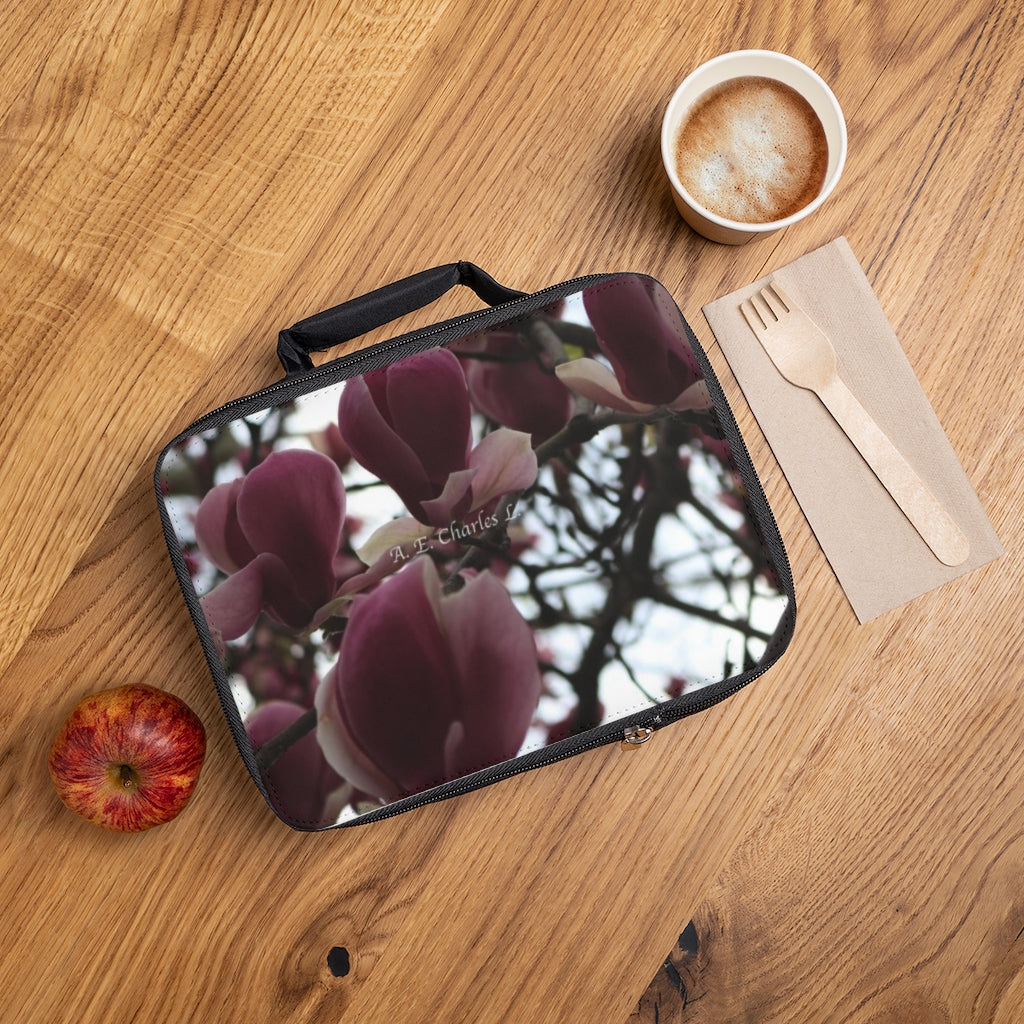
(473, 549)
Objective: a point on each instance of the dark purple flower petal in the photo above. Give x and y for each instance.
(395, 682)
(409, 424)
(265, 584)
(276, 532)
(292, 505)
(428, 406)
(375, 445)
(218, 534)
(496, 667)
(515, 390)
(640, 331)
(300, 780)
(428, 686)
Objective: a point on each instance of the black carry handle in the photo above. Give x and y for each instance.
(374, 309)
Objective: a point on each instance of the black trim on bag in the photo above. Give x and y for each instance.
(302, 381)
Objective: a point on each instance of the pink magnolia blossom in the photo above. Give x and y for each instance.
(641, 334)
(276, 532)
(428, 686)
(271, 672)
(330, 442)
(300, 781)
(409, 424)
(514, 389)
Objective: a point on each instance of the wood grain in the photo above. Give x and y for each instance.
(921, 859)
(181, 180)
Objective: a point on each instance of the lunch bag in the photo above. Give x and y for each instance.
(474, 549)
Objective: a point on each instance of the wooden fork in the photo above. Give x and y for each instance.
(803, 354)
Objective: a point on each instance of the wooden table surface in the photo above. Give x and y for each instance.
(841, 842)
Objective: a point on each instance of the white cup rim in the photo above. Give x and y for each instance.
(670, 127)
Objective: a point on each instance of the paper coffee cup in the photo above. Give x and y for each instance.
(750, 64)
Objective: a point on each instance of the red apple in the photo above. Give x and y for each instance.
(128, 758)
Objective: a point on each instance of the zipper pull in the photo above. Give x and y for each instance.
(634, 736)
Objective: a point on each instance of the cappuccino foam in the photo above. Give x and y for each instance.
(752, 150)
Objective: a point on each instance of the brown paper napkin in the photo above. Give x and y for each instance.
(878, 557)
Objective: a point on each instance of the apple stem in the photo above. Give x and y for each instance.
(127, 776)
